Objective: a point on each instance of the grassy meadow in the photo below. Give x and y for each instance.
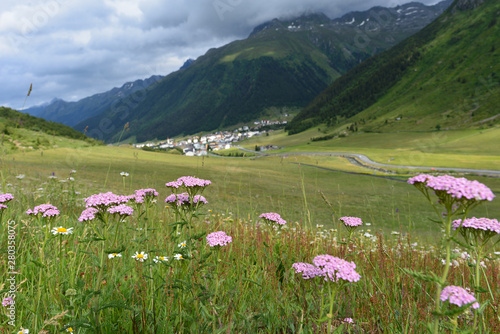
(245, 187)
(472, 148)
(73, 282)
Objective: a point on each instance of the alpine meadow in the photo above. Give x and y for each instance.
(320, 176)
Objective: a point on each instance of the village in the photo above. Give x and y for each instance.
(203, 144)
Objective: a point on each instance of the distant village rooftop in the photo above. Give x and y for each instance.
(221, 140)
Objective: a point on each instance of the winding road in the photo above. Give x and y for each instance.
(364, 161)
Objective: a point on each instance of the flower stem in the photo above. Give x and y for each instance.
(446, 270)
(116, 232)
(60, 258)
(214, 326)
(330, 314)
(477, 283)
(455, 323)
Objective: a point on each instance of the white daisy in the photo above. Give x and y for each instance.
(182, 244)
(61, 230)
(140, 257)
(178, 256)
(113, 255)
(159, 259)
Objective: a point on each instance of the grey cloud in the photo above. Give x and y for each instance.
(75, 48)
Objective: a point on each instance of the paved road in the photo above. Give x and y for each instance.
(366, 162)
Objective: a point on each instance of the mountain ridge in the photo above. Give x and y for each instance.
(419, 79)
(282, 64)
(71, 113)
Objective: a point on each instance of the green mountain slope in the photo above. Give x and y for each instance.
(11, 119)
(281, 64)
(22, 131)
(444, 77)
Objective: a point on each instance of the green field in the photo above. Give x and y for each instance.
(244, 187)
(72, 282)
(477, 149)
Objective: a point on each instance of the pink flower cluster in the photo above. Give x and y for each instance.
(485, 224)
(219, 238)
(88, 214)
(307, 270)
(46, 210)
(199, 199)
(335, 268)
(179, 199)
(458, 296)
(142, 194)
(456, 187)
(188, 182)
(122, 210)
(330, 267)
(272, 217)
(183, 199)
(351, 221)
(7, 301)
(4, 198)
(104, 200)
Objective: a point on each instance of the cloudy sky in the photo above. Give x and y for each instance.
(71, 49)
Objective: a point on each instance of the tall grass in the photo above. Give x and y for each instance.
(248, 286)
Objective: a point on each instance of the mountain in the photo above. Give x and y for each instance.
(71, 113)
(11, 119)
(283, 63)
(444, 77)
(187, 63)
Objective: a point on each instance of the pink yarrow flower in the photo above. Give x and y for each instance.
(88, 214)
(122, 210)
(143, 194)
(458, 296)
(45, 210)
(335, 268)
(2, 207)
(484, 224)
(459, 188)
(422, 178)
(7, 301)
(103, 201)
(330, 267)
(307, 270)
(4, 198)
(351, 221)
(272, 217)
(179, 199)
(219, 238)
(199, 199)
(188, 182)
(183, 199)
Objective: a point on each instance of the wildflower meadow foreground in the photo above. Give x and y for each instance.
(160, 261)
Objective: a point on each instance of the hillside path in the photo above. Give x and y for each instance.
(364, 161)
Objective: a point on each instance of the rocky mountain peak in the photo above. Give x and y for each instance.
(464, 5)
